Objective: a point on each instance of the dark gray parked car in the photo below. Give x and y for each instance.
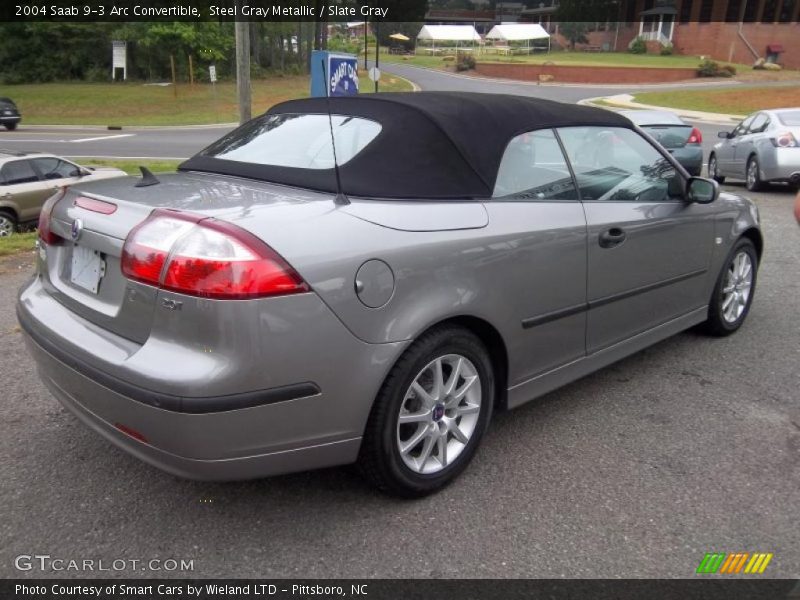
(682, 140)
(262, 311)
(9, 114)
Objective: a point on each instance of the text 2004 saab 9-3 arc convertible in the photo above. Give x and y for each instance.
(240, 318)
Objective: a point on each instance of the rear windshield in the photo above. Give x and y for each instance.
(296, 140)
(669, 136)
(790, 118)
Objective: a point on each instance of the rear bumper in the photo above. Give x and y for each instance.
(96, 400)
(10, 119)
(781, 164)
(288, 425)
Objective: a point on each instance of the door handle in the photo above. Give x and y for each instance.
(612, 238)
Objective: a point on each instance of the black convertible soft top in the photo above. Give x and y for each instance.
(432, 145)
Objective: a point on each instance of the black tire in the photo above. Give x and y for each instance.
(8, 223)
(380, 460)
(713, 170)
(717, 324)
(755, 184)
(11, 126)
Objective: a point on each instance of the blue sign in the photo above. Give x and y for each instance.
(342, 75)
(333, 74)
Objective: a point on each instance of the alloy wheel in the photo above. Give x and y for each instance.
(6, 226)
(738, 283)
(752, 174)
(439, 414)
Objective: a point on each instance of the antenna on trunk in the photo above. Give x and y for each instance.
(340, 199)
(147, 178)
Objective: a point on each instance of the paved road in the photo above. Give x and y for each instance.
(166, 142)
(688, 447)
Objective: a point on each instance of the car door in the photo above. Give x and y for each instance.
(22, 190)
(538, 221)
(648, 249)
(726, 153)
(745, 145)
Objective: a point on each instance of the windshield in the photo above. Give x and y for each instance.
(790, 118)
(296, 140)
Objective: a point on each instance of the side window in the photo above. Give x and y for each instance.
(618, 165)
(18, 171)
(759, 124)
(742, 127)
(54, 168)
(534, 168)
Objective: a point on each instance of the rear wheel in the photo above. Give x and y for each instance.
(430, 415)
(733, 293)
(753, 181)
(8, 224)
(713, 169)
(11, 126)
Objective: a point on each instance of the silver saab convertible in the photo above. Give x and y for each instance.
(367, 279)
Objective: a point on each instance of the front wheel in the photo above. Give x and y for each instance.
(733, 293)
(8, 224)
(713, 169)
(430, 414)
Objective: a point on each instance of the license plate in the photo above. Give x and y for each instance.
(88, 268)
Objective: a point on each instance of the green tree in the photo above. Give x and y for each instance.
(575, 32)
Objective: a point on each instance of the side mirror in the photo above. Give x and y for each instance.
(83, 172)
(701, 191)
(725, 135)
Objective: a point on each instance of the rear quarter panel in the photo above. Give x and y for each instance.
(528, 260)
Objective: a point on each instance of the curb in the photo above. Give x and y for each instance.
(625, 101)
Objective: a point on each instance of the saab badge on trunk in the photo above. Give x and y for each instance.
(77, 229)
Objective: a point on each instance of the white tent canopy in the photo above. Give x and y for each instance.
(517, 32)
(449, 33)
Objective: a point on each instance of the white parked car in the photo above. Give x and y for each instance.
(764, 148)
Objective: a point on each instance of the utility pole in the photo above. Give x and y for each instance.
(242, 29)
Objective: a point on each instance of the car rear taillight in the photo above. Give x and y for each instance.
(784, 140)
(695, 137)
(197, 256)
(47, 236)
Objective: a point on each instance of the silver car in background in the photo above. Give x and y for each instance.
(764, 148)
(683, 141)
(370, 284)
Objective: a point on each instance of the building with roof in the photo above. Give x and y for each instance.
(729, 30)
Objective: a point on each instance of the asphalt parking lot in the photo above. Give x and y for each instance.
(689, 447)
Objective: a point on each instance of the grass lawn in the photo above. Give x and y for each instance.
(131, 167)
(739, 101)
(610, 59)
(19, 242)
(139, 104)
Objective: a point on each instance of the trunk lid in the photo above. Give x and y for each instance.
(670, 136)
(84, 272)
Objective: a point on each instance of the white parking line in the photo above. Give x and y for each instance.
(102, 137)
